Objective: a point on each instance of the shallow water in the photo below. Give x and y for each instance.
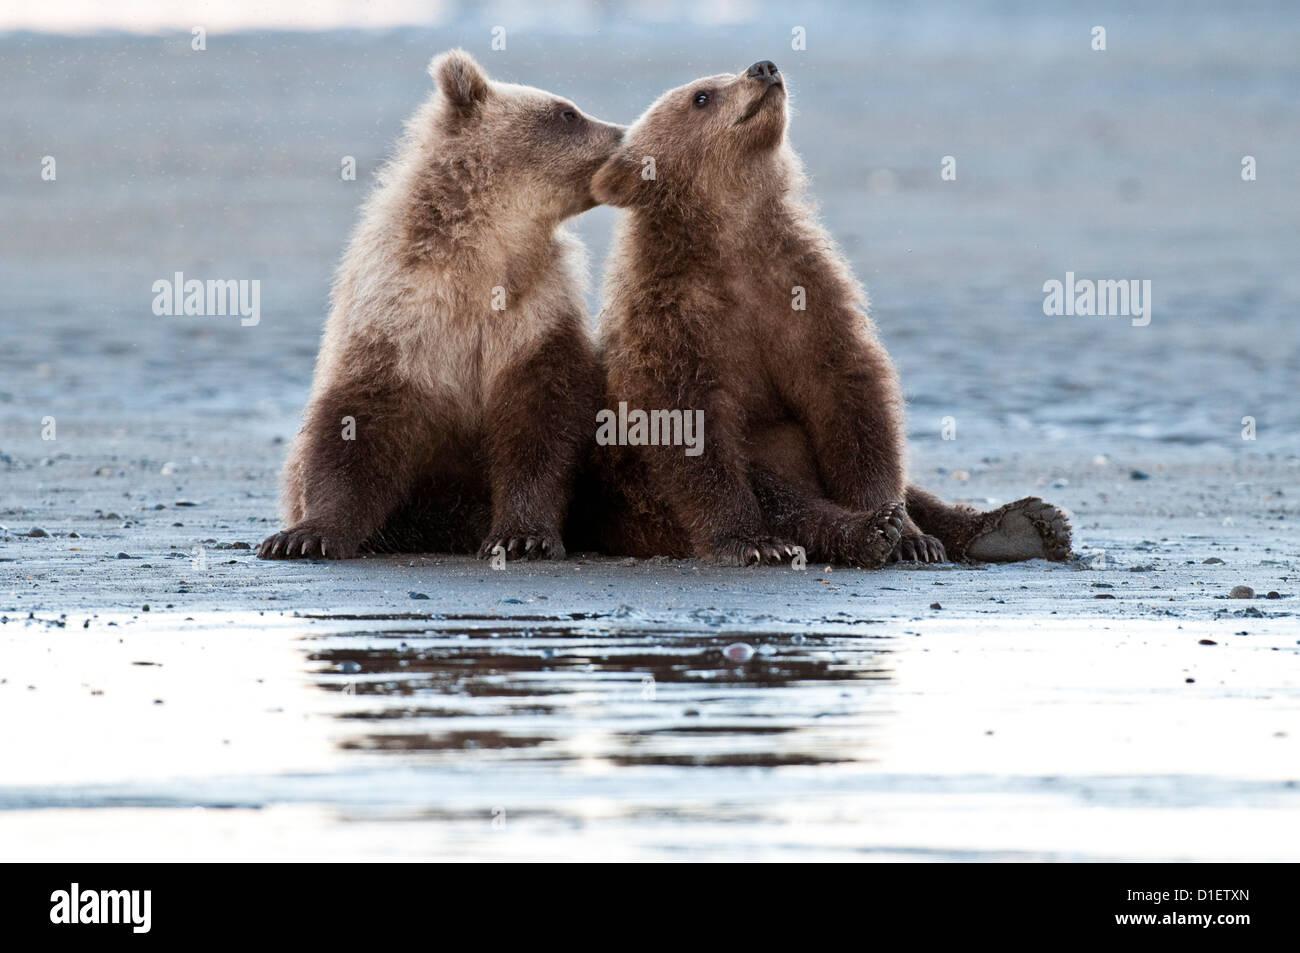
(283, 736)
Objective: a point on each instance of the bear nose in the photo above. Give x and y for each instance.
(765, 70)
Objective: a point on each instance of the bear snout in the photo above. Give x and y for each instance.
(765, 71)
(614, 132)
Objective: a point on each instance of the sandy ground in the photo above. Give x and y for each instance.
(165, 694)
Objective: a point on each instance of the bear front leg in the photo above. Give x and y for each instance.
(827, 531)
(351, 465)
(710, 493)
(540, 415)
(852, 406)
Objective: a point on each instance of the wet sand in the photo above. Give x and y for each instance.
(537, 736)
(1123, 706)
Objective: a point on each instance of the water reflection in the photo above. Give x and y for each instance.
(617, 697)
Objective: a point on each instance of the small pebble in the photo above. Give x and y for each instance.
(417, 595)
(935, 605)
(1207, 642)
(1138, 475)
(1273, 594)
(739, 651)
(1242, 592)
(37, 531)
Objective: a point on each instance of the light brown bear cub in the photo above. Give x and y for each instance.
(456, 382)
(725, 295)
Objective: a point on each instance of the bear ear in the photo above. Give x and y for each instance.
(618, 181)
(461, 80)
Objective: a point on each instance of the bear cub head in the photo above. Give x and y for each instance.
(711, 141)
(524, 150)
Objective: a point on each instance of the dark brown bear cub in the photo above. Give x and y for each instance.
(456, 380)
(725, 295)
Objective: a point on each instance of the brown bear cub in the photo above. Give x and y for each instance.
(456, 381)
(724, 295)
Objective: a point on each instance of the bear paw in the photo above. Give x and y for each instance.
(1025, 529)
(918, 547)
(306, 541)
(876, 536)
(752, 551)
(523, 544)
(915, 545)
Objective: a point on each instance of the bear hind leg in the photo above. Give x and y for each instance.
(1026, 529)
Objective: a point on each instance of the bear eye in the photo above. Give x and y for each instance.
(569, 115)
(701, 100)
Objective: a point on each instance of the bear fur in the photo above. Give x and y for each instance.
(803, 414)
(456, 380)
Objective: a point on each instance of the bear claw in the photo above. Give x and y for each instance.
(878, 536)
(755, 551)
(918, 547)
(303, 542)
(523, 545)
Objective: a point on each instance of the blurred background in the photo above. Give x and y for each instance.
(225, 162)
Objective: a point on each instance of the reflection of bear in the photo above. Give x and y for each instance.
(725, 295)
(456, 383)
